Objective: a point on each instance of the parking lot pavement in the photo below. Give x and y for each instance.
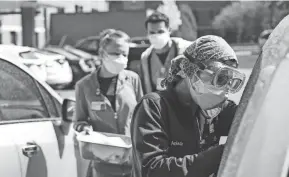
(235, 97)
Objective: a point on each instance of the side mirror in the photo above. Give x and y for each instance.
(68, 107)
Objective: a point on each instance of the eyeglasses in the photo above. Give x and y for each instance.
(221, 76)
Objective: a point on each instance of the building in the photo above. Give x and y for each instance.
(204, 11)
(13, 12)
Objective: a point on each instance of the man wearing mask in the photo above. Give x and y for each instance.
(156, 60)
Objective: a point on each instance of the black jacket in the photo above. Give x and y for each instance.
(166, 138)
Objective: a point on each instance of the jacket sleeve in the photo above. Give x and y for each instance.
(81, 112)
(151, 146)
(139, 89)
(138, 94)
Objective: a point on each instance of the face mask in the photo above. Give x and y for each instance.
(115, 64)
(204, 97)
(159, 41)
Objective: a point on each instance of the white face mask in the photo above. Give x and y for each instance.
(159, 41)
(204, 97)
(115, 64)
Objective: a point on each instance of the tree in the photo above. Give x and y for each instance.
(188, 29)
(170, 8)
(245, 20)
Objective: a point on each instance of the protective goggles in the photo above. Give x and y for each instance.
(221, 76)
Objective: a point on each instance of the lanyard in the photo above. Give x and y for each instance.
(111, 91)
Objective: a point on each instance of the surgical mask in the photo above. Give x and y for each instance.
(159, 41)
(206, 98)
(115, 63)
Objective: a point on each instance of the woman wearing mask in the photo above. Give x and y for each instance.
(176, 132)
(105, 99)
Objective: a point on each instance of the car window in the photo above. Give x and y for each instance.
(53, 106)
(44, 52)
(28, 55)
(89, 45)
(19, 96)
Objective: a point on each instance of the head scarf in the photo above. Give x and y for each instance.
(203, 49)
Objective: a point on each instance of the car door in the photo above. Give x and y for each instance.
(68, 148)
(42, 147)
(258, 143)
(10, 167)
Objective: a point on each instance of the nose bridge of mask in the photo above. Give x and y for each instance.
(198, 85)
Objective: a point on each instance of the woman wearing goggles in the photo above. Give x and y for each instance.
(177, 132)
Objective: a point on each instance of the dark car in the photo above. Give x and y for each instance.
(137, 46)
(80, 66)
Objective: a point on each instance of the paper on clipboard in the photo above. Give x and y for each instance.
(223, 140)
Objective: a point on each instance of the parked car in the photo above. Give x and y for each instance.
(38, 141)
(57, 70)
(137, 46)
(80, 66)
(36, 65)
(258, 143)
(83, 54)
(89, 44)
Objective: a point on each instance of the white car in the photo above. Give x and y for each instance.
(35, 64)
(37, 141)
(56, 68)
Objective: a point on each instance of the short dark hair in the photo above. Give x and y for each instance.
(157, 17)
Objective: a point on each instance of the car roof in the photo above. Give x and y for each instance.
(258, 143)
(15, 48)
(22, 67)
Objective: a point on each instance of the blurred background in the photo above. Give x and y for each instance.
(58, 40)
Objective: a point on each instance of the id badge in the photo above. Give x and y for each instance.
(98, 106)
(223, 140)
(159, 86)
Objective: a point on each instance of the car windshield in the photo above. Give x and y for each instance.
(28, 55)
(62, 52)
(44, 52)
(258, 132)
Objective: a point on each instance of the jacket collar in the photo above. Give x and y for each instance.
(122, 77)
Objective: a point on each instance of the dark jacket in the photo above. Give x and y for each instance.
(166, 138)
